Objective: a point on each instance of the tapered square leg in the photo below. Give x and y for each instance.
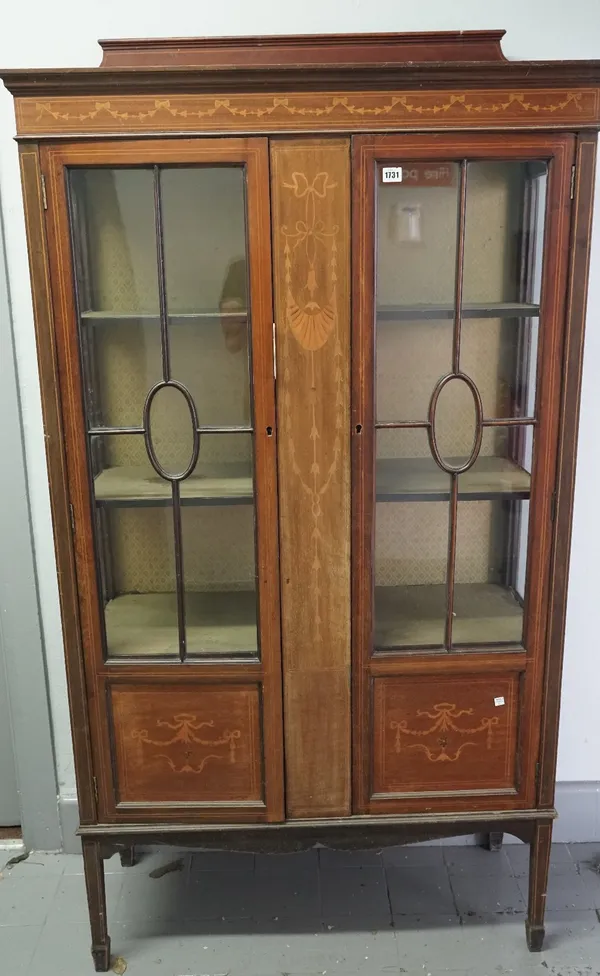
(93, 866)
(539, 864)
(493, 841)
(127, 856)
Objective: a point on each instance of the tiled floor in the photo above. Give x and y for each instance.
(411, 910)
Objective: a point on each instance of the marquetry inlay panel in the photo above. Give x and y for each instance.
(305, 111)
(311, 204)
(445, 733)
(194, 743)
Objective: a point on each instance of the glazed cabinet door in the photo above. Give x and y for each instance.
(461, 248)
(162, 285)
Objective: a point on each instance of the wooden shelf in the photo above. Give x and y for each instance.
(217, 624)
(385, 313)
(225, 483)
(472, 310)
(213, 316)
(421, 479)
(415, 615)
(230, 483)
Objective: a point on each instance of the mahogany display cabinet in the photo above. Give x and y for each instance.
(310, 317)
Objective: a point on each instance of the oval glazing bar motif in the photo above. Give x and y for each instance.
(154, 461)
(478, 432)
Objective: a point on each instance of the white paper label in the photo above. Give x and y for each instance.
(498, 701)
(391, 174)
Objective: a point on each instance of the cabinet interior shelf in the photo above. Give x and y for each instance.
(219, 483)
(217, 624)
(445, 310)
(213, 316)
(224, 623)
(385, 313)
(421, 479)
(415, 615)
(230, 483)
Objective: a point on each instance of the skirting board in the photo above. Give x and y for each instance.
(578, 806)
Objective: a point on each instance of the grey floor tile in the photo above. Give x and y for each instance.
(350, 859)
(572, 934)
(358, 922)
(414, 855)
(588, 854)
(17, 947)
(144, 897)
(171, 950)
(222, 894)
(38, 865)
(73, 864)
(69, 903)
(333, 951)
(496, 944)
(294, 896)
(350, 891)
(222, 861)
(518, 856)
(567, 890)
(26, 902)
(476, 861)
(486, 895)
(430, 941)
(286, 865)
(420, 891)
(62, 950)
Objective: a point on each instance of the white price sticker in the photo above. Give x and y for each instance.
(391, 174)
(498, 701)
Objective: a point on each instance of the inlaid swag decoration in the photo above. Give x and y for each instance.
(255, 112)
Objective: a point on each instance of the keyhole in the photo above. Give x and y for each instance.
(358, 428)
(269, 431)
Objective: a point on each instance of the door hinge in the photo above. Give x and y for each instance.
(95, 785)
(537, 775)
(274, 353)
(553, 506)
(572, 181)
(43, 186)
(72, 514)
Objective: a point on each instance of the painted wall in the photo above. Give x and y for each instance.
(41, 35)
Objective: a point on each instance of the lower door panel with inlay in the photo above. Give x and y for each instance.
(452, 735)
(191, 744)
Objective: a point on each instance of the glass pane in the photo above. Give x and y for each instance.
(416, 261)
(135, 550)
(411, 542)
(219, 549)
(455, 422)
(500, 356)
(115, 261)
(204, 231)
(411, 358)
(491, 546)
(504, 232)
(502, 281)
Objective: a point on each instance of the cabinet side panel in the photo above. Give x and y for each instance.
(567, 457)
(311, 205)
(59, 500)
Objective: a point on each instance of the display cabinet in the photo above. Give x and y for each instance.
(310, 319)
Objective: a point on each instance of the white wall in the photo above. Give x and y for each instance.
(37, 34)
